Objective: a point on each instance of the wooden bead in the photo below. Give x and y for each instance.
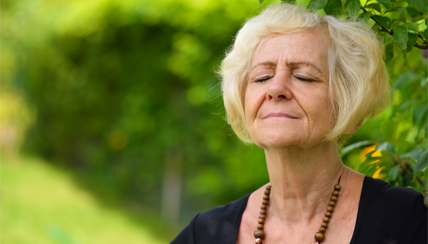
(262, 211)
(332, 203)
(267, 192)
(264, 207)
(261, 221)
(260, 226)
(268, 187)
(266, 197)
(262, 216)
(322, 229)
(330, 209)
(265, 202)
(324, 224)
(337, 187)
(319, 236)
(328, 214)
(325, 219)
(259, 234)
(334, 198)
(335, 193)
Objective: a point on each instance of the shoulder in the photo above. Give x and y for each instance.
(217, 225)
(394, 214)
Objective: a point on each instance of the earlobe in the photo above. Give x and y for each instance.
(356, 127)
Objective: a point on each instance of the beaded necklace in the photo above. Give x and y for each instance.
(319, 236)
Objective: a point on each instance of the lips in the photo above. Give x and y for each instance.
(280, 115)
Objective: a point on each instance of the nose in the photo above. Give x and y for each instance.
(279, 88)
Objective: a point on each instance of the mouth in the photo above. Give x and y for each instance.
(280, 115)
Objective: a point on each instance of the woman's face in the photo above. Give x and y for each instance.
(286, 99)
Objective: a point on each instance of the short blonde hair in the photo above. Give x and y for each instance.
(358, 79)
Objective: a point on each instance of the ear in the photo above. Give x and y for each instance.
(356, 127)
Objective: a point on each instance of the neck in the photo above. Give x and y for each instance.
(302, 180)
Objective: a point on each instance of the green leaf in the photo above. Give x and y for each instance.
(400, 36)
(389, 52)
(381, 37)
(334, 7)
(419, 112)
(261, 1)
(354, 146)
(364, 17)
(353, 6)
(411, 26)
(412, 12)
(394, 172)
(402, 10)
(383, 21)
(317, 4)
(289, 1)
(420, 5)
(386, 146)
(413, 154)
(374, 6)
(422, 162)
(411, 42)
(386, 3)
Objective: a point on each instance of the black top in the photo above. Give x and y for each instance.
(386, 215)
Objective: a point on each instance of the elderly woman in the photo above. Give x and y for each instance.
(296, 84)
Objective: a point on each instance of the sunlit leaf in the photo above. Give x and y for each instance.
(400, 36)
(401, 9)
(386, 128)
(386, 3)
(289, 1)
(411, 26)
(261, 1)
(383, 21)
(422, 162)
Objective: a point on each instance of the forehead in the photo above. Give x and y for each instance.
(308, 46)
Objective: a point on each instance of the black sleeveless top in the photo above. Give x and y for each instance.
(386, 215)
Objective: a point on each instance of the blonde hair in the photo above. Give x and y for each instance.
(358, 79)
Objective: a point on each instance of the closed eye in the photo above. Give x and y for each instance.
(263, 79)
(302, 78)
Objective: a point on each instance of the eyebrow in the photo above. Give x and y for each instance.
(289, 64)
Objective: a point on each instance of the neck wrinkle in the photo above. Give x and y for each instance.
(302, 181)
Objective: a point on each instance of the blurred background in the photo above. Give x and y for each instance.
(113, 130)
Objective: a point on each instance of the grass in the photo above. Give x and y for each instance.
(42, 204)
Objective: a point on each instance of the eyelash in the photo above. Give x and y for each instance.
(297, 77)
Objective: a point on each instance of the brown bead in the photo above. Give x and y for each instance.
(261, 221)
(259, 234)
(268, 187)
(262, 211)
(260, 226)
(325, 219)
(319, 236)
(328, 214)
(331, 203)
(264, 207)
(267, 192)
(265, 202)
(335, 193)
(262, 216)
(266, 197)
(259, 241)
(324, 224)
(322, 229)
(337, 187)
(330, 208)
(334, 198)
